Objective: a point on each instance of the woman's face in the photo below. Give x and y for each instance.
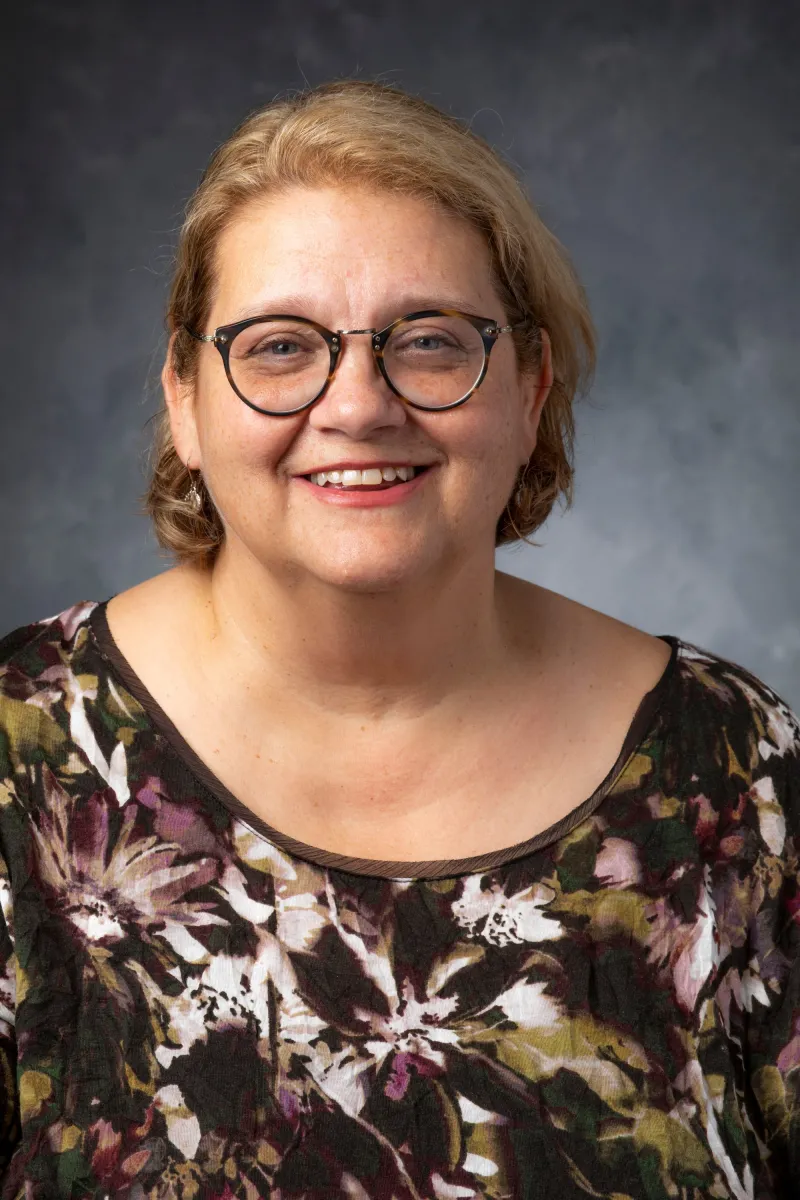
(352, 259)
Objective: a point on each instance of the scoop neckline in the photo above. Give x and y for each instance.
(399, 871)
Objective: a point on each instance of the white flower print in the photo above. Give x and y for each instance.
(503, 919)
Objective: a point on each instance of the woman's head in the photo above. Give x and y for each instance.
(359, 202)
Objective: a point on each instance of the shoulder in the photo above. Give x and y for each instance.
(732, 746)
(43, 666)
(32, 650)
(729, 696)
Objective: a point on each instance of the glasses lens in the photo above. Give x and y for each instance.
(434, 360)
(279, 365)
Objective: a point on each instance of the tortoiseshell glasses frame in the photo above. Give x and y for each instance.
(487, 327)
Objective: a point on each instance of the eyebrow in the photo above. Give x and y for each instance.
(297, 305)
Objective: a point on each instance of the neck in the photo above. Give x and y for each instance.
(427, 648)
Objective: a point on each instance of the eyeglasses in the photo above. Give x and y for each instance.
(280, 365)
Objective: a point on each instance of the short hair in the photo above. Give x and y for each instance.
(365, 133)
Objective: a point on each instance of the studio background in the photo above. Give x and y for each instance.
(660, 143)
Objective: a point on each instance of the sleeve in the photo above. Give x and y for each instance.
(772, 1019)
(9, 1096)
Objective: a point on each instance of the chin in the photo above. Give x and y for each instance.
(365, 579)
(372, 570)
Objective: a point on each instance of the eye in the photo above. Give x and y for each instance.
(431, 341)
(441, 339)
(283, 347)
(273, 343)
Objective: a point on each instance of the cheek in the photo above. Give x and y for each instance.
(235, 440)
(486, 432)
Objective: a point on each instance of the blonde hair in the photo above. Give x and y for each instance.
(371, 134)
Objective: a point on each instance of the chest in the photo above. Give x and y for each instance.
(500, 770)
(489, 785)
(479, 1026)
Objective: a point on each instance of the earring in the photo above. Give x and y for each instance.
(194, 497)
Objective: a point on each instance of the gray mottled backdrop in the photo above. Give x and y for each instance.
(660, 142)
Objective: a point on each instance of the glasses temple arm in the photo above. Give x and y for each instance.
(200, 337)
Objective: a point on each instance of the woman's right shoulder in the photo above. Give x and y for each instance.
(33, 651)
(41, 664)
(43, 667)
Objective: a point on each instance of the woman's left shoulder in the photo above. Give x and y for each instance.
(739, 698)
(741, 742)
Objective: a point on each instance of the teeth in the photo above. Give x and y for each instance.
(369, 478)
(354, 478)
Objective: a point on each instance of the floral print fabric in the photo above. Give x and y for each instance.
(189, 1011)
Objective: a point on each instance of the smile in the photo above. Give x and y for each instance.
(372, 477)
(367, 494)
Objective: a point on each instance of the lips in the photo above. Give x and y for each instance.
(382, 495)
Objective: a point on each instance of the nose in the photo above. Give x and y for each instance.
(358, 400)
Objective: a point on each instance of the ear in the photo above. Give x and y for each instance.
(179, 399)
(535, 390)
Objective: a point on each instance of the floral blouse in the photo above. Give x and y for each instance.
(194, 1006)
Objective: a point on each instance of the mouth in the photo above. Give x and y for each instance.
(374, 479)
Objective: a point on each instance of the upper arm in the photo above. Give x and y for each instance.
(771, 993)
(9, 1097)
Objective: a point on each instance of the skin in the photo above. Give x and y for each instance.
(353, 654)
(358, 260)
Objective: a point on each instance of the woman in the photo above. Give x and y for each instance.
(335, 861)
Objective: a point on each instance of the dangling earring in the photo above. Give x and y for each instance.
(194, 497)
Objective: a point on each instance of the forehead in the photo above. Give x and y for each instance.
(349, 247)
